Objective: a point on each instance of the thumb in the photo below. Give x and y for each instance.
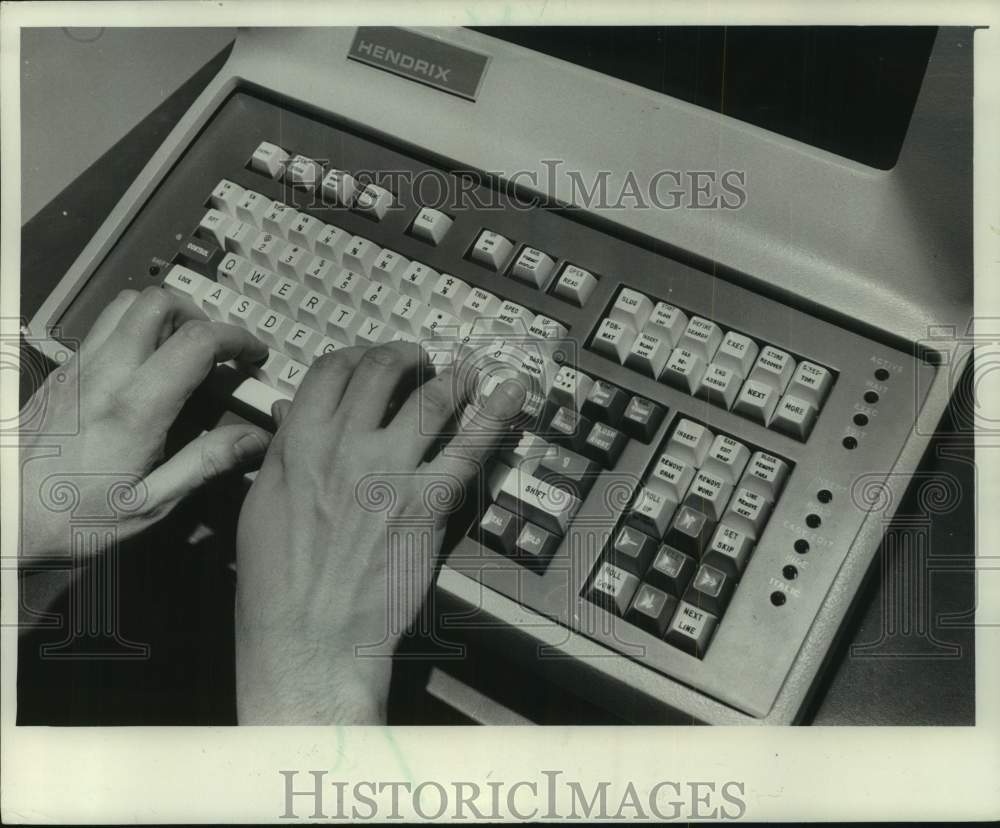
(211, 455)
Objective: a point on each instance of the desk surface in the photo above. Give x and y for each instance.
(898, 663)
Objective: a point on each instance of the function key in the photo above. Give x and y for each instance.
(726, 458)
(737, 353)
(431, 225)
(690, 442)
(748, 512)
(684, 370)
(613, 588)
(691, 629)
(650, 512)
(642, 418)
(633, 550)
(492, 250)
(701, 337)
(794, 417)
(545, 328)
(671, 570)
(757, 401)
(729, 551)
(499, 529)
(374, 201)
(613, 339)
(226, 196)
(671, 476)
(810, 382)
(709, 494)
(667, 322)
(269, 159)
(338, 187)
(535, 546)
(571, 387)
(631, 309)
(710, 590)
(651, 610)
(690, 531)
(773, 368)
(569, 428)
(605, 402)
(200, 255)
(303, 172)
(604, 444)
(575, 285)
(765, 475)
(534, 267)
(512, 318)
(719, 385)
(648, 354)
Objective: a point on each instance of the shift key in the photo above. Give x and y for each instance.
(541, 503)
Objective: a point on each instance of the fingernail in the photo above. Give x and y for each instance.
(510, 397)
(250, 446)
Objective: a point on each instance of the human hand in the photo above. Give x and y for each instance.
(316, 578)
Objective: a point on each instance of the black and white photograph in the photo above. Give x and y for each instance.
(383, 376)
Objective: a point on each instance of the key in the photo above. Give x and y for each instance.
(240, 237)
(765, 475)
(794, 417)
(726, 458)
(245, 312)
(542, 327)
(651, 610)
(431, 225)
(648, 355)
(200, 255)
(439, 324)
(533, 267)
(613, 588)
(448, 294)
(374, 201)
(213, 227)
(684, 370)
(408, 314)
(810, 383)
(300, 342)
(691, 629)
(278, 219)
(389, 266)
(570, 387)
(690, 442)
(418, 281)
(479, 304)
(667, 322)
(252, 208)
(605, 402)
(269, 159)
(729, 551)
(737, 353)
(642, 418)
(303, 172)
(232, 270)
(294, 261)
(671, 477)
(613, 340)
(569, 428)
(710, 590)
(604, 444)
(271, 369)
(338, 187)
(320, 274)
(633, 550)
(291, 376)
(773, 368)
(360, 255)
(701, 337)
(187, 283)
(535, 546)
(498, 529)
(217, 301)
(272, 328)
(631, 309)
(564, 466)
(492, 250)
(719, 385)
(651, 512)
(527, 453)
(756, 401)
(575, 285)
(709, 494)
(373, 331)
(747, 512)
(343, 324)
(314, 309)
(348, 287)
(226, 196)
(327, 346)
(689, 531)
(512, 318)
(331, 243)
(537, 501)
(266, 250)
(304, 230)
(285, 296)
(378, 301)
(671, 570)
(259, 283)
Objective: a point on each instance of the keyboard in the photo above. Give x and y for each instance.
(681, 495)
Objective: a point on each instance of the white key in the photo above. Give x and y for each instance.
(756, 401)
(304, 230)
(570, 387)
(294, 261)
(389, 267)
(374, 200)
(252, 207)
(245, 312)
(684, 370)
(726, 458)
(492, 249)
(512, 318)
(794, 417)
(690, 442)
(701, 337)
(653, 510)
(303, 172)
(810, 382)
(540, 502)
(747, 512)
(272, 328)
(319, 274)
(185, 282)
(286, 295)
(667, 322)
(213, 226)
(418, 281)
(267, 249)
(291, 375)
(575, 285)
(648, 355)
(226, 196)
(314, 309)
(449, 293)
(534, 267)
(343, 324)
(278, 219)
(631, 309)
(478, 304)
(773, 368)
(408, 314)
(360, 255)
(258, 283)
(709, 493)
(348, 287)
(737, 352)
(719, 385)
(614, 340)
(373, 331)
(439, 323)
(671, 477)
(326, 346)
(269, 159)
(331, 243)
(378, 301)
(338, 187)
(545, 328)
(431, 225)
(300, 342)
(240, 237)
(765, 475)
(217, 301)
(232, 270)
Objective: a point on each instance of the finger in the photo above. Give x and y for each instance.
(321, 389)
(279, 410)
(148, 322)
(426, 411)
(215, 453)
(165, 381)
(108, 320)
(375, 382)
(481, 429)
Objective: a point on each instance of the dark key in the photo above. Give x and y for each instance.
(633, 550)
(691, 629)
(652, 610)
(570, 469)
(671, 570)
(690, 531)
(499, 529)
(605, 403)
(710, 590)
(642, 417)
(201, 255)
(569, 428)
(535, 546)
(604, 444)
(613, 588)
